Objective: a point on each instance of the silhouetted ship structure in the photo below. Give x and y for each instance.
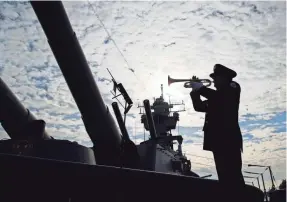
(160, 123)
(37, 167)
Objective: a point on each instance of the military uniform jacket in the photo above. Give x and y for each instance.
(221, 127)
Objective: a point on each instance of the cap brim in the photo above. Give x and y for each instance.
(212, 75)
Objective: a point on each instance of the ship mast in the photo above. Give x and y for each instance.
(164, 122)
(161, 91)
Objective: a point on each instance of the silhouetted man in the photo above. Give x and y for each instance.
(222, 134)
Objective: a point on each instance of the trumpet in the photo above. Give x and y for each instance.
(187, 83)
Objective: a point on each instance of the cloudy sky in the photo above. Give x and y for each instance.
(148, 41)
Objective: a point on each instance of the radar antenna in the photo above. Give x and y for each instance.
(161, 91)
(123, 92)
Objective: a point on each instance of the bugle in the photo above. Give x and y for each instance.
(187, 83)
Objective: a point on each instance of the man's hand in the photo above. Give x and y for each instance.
(195, 85)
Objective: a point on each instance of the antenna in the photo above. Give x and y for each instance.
(161, 91)
(178, 103)
(123, 92)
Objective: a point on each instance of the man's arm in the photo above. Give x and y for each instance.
(198, 104)
(206, 92)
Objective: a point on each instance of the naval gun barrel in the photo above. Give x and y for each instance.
(65, 46)
(13, 115)
(150, 119)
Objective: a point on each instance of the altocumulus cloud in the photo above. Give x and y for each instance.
(158, 39)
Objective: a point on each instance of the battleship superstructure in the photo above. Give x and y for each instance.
(37, 167)
(166, 158)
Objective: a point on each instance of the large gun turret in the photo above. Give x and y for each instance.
(28, 135)
(14, 117)
(97, 119)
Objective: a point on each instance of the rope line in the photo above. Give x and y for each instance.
(189, 154)
(115, 44)
(201, 164)
(110, 37)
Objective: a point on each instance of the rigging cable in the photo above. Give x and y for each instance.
(110, 37)
(202, 164)
(114, 42)
(272, 176)
(189, 154)
(199, 156)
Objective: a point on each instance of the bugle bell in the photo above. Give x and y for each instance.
(187, 83)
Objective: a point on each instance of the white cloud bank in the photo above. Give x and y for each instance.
(158, 39)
